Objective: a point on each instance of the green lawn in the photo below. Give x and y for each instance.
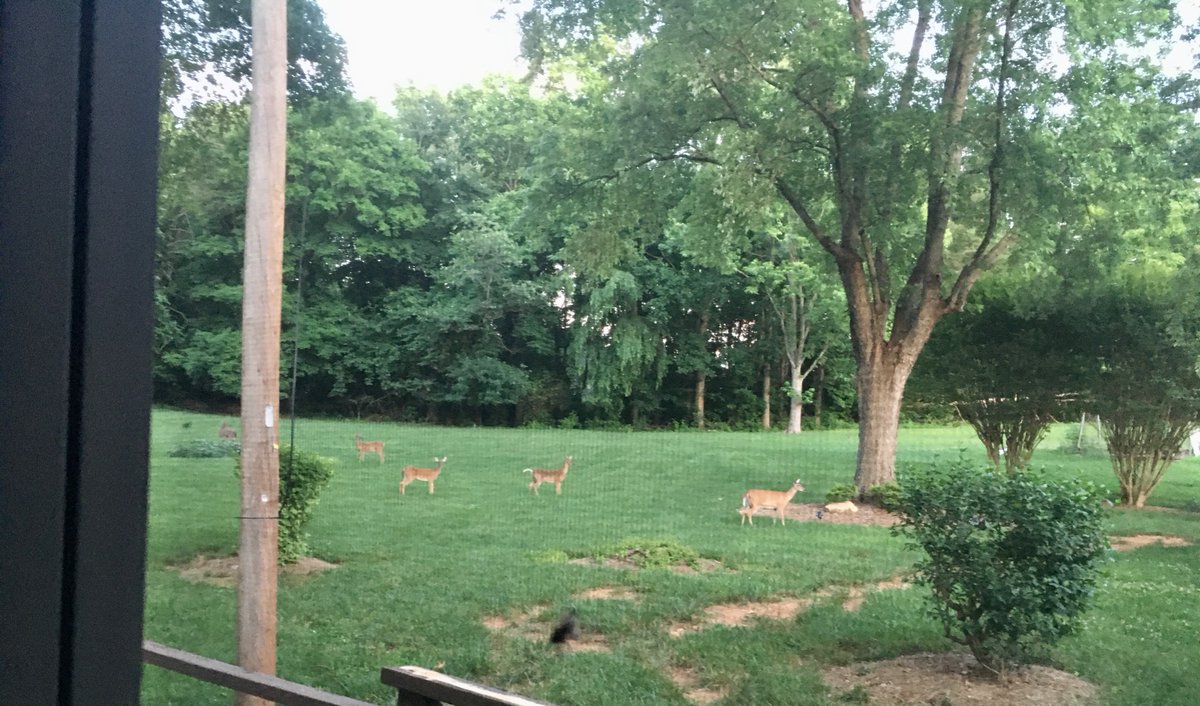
(419, 573)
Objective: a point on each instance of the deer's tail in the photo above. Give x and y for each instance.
(746, 500)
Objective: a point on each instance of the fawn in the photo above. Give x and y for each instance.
(226, 431)
(367, 447)
(549, 475)
(412, 473)
(772, 499)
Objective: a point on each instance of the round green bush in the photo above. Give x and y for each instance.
(1012, 560)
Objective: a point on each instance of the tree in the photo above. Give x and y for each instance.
(914, 173)
(1143, 385)
(1008, 373)
(207, 43)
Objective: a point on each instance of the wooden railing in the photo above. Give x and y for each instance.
(281, 691)
(415, 686)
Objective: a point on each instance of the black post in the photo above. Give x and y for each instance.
(78, 132)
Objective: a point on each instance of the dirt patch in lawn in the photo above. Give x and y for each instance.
(956, 678)
(688, 682)
(607, 593)
(701, 566)
(742, 614)
(1136, 541)
(868, 515)
(534, 625)
(223, 570)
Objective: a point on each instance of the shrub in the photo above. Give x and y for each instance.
(300, 484)
(841, 493)
(1012, 560)
(884, 495)
(207, 448)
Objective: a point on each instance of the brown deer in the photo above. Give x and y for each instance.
(549, 475)
(367, 447)
(754, 499)
(412, 473)
(226, 431)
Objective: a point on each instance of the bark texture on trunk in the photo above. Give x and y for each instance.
(880, 392)
(700, 380)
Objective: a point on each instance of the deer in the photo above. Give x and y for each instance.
(367, 447)
(752, 500)
(412, 473)
(549, 475)
(226, 431)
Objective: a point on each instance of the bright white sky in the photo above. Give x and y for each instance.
(445, 44)
(439, 44)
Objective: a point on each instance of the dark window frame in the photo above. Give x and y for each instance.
(78, 138)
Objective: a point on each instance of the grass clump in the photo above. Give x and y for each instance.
(652, 553)
(206, 448)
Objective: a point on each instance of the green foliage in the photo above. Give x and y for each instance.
(841, 493)
(650, 553)
(885, 495)
(1012, 560)
(302, 477)
(206, 448)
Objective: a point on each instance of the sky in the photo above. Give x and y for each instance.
(445, 44)
(439, 44)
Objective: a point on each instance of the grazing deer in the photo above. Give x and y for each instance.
(227, 432)
(367, 447)
(771, 499)
(549, 475)
(412, 473)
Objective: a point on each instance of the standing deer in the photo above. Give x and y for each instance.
(412, 473)
(226, 431)
(770, 499)
(549, 475)
(367, 447)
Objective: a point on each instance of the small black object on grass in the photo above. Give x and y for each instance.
(567, 628)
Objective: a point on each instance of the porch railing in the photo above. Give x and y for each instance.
(415, 686)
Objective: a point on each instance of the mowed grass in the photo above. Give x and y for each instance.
(419, 573)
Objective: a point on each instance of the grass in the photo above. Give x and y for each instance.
(419, 573)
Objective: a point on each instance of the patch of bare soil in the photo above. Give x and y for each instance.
(607, 593)
(223, 570)
(529, 625)
(867, 515)
(1136, 541)
(703, 566)
(955, 678)
(689, 683)
(742, 614)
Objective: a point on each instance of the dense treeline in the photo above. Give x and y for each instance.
(611, 242)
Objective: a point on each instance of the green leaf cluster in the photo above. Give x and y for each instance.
(1012, 560)
(302, 477)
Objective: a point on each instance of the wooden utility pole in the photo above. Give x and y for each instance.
(258, 552)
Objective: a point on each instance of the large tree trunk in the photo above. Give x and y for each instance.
(766, 397)
(700, 379)
(880, 392)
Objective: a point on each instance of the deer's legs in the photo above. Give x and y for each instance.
(431, 487)
(558, 488)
